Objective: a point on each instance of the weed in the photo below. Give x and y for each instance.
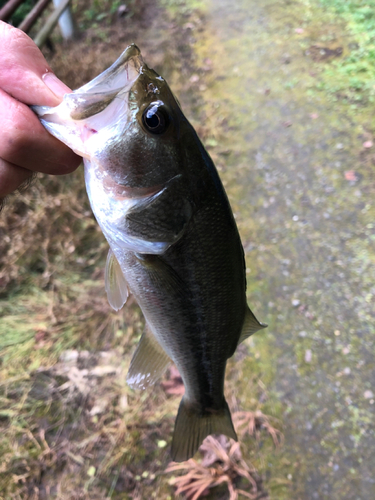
(353, 76)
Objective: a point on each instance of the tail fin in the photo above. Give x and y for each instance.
(191, 428)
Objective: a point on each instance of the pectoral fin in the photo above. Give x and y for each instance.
(163, 217)
(149, 362)
(115, 283)
(251, 325)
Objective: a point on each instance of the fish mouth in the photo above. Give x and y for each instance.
(102, 103)
(96, 95)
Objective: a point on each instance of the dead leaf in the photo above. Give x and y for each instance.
(350, 175)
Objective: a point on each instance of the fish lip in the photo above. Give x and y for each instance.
(96, 95)
(132, 52)
(99, 105)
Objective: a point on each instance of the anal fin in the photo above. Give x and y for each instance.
(149, 362)
(251, 325)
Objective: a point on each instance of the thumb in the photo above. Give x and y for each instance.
(25, 74)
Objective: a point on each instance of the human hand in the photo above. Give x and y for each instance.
(25, 146)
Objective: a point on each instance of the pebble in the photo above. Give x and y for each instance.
(69, 355)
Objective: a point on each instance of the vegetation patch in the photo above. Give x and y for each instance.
(353, 76)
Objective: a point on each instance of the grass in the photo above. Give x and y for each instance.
(353, 77)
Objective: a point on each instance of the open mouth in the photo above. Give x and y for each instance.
(100, 105)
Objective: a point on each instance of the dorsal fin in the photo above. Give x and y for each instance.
(115, 283)
(250, 326)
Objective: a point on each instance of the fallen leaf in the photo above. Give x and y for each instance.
(350, 175)
(40, 335)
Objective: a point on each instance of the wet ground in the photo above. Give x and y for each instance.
(299, 171)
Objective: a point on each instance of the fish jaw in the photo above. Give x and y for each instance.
(101, 105)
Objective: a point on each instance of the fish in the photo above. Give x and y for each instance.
(174, 242)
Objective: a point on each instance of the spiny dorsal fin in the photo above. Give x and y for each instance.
(251, 325)
(115, 283)
(149, 362)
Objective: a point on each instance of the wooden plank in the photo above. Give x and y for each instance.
(33, 15)
(51, 22)
(9, 8)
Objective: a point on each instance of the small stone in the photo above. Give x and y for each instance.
(123, 402)
(96, 410)
(102, 371)
(122, 10)
(346, 371)
(91, 471)
(69, 356)
(296, 302)
(337, 332)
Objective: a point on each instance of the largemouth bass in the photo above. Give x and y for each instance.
(173, 240)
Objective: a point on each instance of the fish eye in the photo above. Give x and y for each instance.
(155, 118)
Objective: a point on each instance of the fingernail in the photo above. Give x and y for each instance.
(57, 86)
